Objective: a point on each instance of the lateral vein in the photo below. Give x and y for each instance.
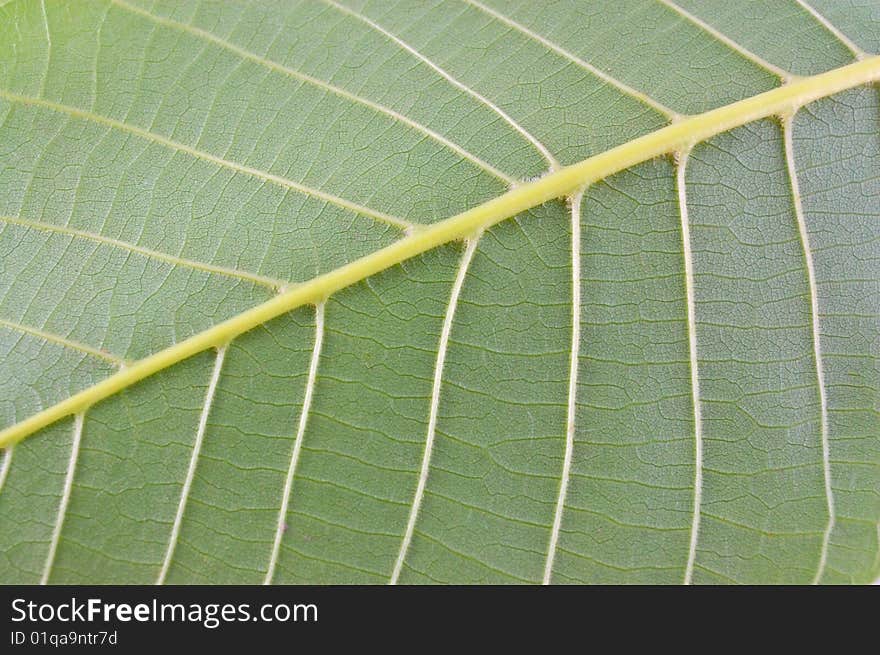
(730, 43)
(642, 97)
(63, 342)
(833, 29)
(6, 465)
(140, 132)
(574, 362)
(262, 280)
(297, 443)
(681, 189)
(191, 470)
(545, 152)
(433, 413)
(316, 82)
(787, 128)
(65, 497)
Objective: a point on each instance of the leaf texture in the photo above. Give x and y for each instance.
(671, 375)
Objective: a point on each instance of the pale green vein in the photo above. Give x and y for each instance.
(573, 365)
(191, 470)
(551, 160)
(6, 465)
(318, 83)
(152, 137)
(643, 98)
(434, 411)
(297, 443)
(65, 497)
(787, 129)
(681, 192)
(877, 557)
(830, 27)
(730, 43)
(63, 342)
(262, 280)
(48, 46)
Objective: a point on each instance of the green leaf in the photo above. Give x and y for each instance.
(447, 292)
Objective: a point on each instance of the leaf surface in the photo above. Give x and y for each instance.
(671, 373)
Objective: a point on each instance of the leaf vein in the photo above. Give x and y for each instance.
(176, 260)
(551, 160)
(643, 98)
(191, 470)
(63, 342)
(278, 180)
(298, 441)
(833, 29)
(79, 419)
(574, 363)
(433, 413)
(319, 83)
(681, 189)
(730, 43)
(787, 129)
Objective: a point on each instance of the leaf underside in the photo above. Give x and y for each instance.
(701, 405)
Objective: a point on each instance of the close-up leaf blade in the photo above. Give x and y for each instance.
(449, 292)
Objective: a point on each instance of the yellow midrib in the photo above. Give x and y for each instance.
(678, 137)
